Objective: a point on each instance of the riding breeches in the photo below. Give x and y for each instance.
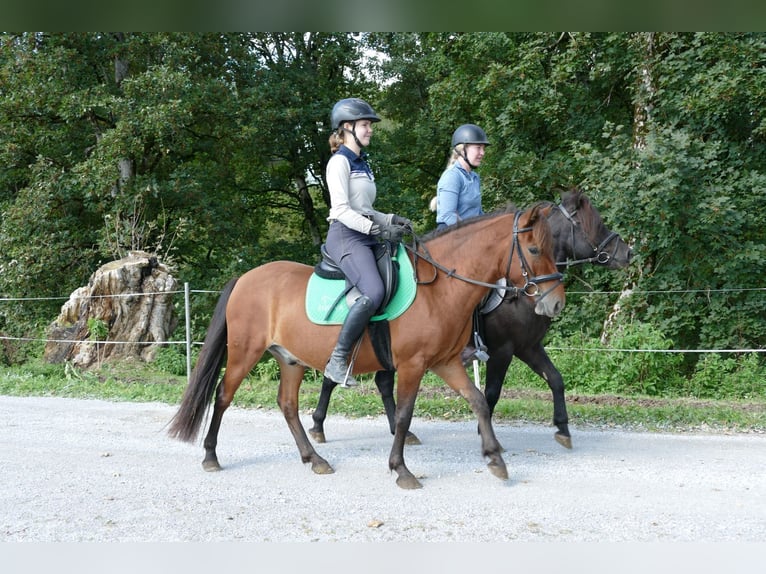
(355, 254)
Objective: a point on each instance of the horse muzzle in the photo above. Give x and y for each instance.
(551, 301)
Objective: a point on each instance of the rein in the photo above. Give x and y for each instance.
(602, 257)
(530, 288)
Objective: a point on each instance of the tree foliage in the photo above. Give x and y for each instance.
(209, 149)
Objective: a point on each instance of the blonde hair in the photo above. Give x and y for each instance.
(456, 152)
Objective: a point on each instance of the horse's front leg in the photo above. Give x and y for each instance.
(320, 413)
(405, 405)
(455, 376)
(539, 361)
(385, 383)
(290, 378)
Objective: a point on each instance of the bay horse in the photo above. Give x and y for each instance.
(513, 328)
(264, 310)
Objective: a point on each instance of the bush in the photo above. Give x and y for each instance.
(172, 359)
(622, 366)
(719, 377)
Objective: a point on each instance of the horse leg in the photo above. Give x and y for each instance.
(497, 367)
(385, 383)
(540, 363)
(290, 377)
(320, 413)
(455, 376)
(405, 406)
(225, 394)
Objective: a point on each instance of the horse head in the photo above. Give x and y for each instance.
(581, 236)
(533, 241)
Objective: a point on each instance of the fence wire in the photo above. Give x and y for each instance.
(189, 343)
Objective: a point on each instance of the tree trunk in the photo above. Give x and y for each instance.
(126, 165)
(125, 311)
(309, 214)
(646, 92)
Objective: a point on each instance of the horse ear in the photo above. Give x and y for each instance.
(542, 209)
(571, 198)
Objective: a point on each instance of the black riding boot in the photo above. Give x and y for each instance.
(337, 369)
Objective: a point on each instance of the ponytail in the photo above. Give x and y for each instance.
(335, 141)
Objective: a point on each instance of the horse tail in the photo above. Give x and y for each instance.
(204, 378)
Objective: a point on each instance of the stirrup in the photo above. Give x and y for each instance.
(347, 380)
(470, 353)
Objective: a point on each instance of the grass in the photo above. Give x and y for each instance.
(522, 402)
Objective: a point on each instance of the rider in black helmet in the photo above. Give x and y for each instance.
(354, 225)
(458, 193)
(458, 196)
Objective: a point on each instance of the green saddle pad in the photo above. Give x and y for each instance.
(322, 294)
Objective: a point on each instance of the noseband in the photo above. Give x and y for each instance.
(601, 256)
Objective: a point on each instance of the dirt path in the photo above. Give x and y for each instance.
(79, 470)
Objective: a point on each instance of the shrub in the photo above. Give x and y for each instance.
(624, 366)
(720, 377)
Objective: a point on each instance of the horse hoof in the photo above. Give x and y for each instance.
(498, 470)
(563, 440)
(318, 436)
(408, 482)
(411, 439)
(322, 467)
(211, 466)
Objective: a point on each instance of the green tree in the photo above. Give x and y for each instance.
(210, 149)
(207, 149)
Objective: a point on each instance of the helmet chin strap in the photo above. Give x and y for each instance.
(352, 131)
(465, 157)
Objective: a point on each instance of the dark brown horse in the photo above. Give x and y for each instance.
(264, 310)
(513, 328)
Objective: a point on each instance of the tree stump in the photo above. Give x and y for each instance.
(129, 301)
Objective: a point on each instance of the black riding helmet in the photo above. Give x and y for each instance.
(469, 134)
(351, 110)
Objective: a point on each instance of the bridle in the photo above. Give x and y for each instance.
(601, 256)
(531, 286)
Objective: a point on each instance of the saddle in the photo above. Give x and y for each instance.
(388, 268)
(329, 295)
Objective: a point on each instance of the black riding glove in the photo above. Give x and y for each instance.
(403, 221)
(388, 232)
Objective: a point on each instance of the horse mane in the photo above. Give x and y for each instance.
(508, 208)
(541, 231)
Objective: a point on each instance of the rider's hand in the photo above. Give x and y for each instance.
(388, 232)
(403, 221)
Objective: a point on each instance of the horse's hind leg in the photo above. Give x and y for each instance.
(290, 378)
(539, 361)
(225, 394)
(385, 382)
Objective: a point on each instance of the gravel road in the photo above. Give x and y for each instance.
(88, 470)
